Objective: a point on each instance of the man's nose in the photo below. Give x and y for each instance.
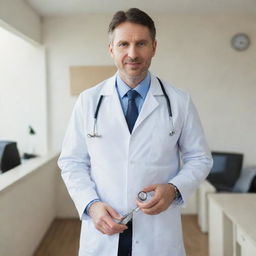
(132, 52)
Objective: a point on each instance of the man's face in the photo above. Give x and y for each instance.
(132, 49)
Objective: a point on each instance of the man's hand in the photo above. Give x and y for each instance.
(164, 194)
(103, 215)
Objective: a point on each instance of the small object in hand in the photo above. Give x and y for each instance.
(142, 196)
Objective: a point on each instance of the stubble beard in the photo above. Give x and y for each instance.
(133, 79)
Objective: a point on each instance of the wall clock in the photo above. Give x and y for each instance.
(240, 41)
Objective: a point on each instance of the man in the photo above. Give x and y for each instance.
(134, 144)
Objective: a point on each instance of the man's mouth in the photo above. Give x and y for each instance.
(132, 63)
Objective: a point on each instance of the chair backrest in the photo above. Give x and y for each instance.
(226, 170)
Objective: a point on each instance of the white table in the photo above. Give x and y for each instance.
(232, 224)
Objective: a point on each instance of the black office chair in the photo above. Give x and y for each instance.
(252, 188)
(225, 171)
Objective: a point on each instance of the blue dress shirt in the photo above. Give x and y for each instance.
(142, 89)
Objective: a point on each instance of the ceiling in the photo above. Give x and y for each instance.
(77, 7)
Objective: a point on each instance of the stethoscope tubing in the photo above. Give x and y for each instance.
(95, 134)
(166, 97)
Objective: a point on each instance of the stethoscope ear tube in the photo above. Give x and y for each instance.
(95, 133)
(166, 97)
(98, 107)
(172, 131)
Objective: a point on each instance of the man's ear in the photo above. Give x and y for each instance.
(110, 49)
(154, 47)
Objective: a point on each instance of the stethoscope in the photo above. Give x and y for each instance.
(95, 134)
(142, 196)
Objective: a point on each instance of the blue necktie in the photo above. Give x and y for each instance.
(132, 110)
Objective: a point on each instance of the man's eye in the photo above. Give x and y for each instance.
(141, 43)
(122, 44)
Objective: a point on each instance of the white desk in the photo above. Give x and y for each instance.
(232, 225)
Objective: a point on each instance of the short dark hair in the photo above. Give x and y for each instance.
(133, 15)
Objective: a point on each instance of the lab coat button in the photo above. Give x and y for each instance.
(136, 242)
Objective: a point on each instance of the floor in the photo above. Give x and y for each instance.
(62, 238)
(196, 242)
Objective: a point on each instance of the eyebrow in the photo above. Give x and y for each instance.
(138, 41)
(122, 41)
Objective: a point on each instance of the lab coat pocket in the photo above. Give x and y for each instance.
(164, 145)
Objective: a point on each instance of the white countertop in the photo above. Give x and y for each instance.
(27, 167)
(240, 208)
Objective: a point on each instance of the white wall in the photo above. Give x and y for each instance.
(194, 54)
(70, 41)
(19, 16)
(22, 92)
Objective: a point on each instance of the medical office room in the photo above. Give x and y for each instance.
(52, 50)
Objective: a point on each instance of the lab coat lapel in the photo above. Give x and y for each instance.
(150, 103)
(109, 90)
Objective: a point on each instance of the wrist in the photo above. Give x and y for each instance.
(91, 209)
(177, 194)
(88, 207)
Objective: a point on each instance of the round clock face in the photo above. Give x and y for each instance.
(240, 42)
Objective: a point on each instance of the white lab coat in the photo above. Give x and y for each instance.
(116, 166)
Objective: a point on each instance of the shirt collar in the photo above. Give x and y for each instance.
(141, 88)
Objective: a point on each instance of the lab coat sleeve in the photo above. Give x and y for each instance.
(74, 162)
(195, 155)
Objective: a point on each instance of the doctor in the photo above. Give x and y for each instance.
(133, 151)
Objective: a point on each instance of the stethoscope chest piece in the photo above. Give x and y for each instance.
(142, 196)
